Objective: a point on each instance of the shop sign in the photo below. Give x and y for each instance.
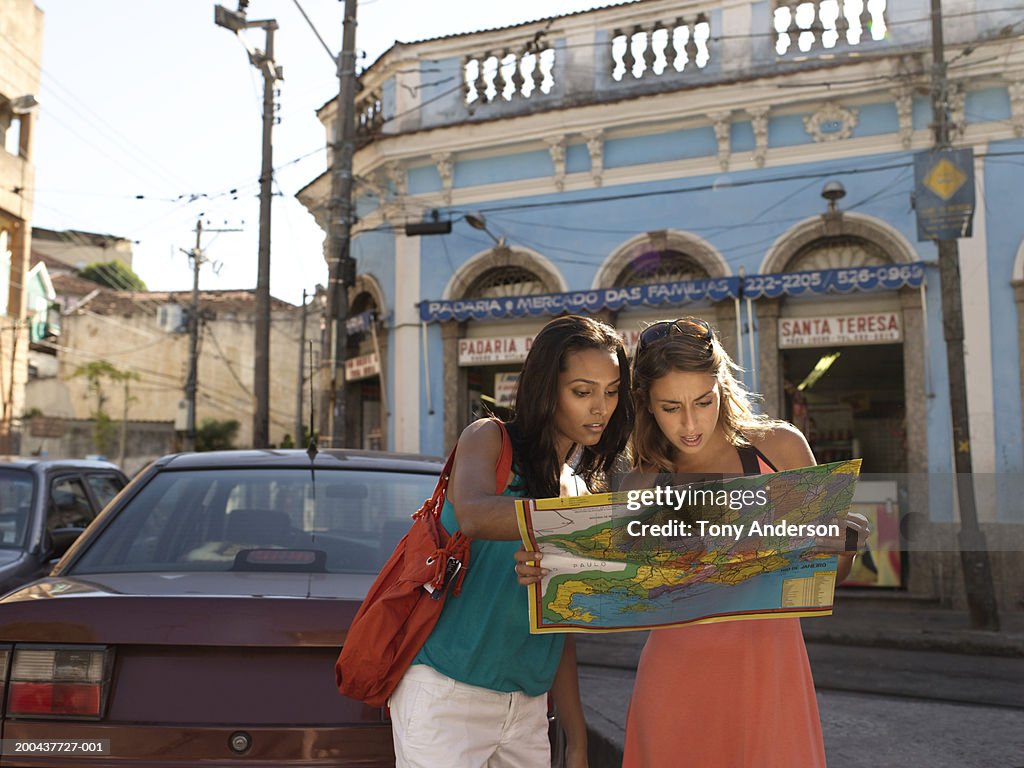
(362, 367)
(944, 193)
(494, 350)
(360, 323)
(830, 330)
(536, 305)
(505, 389)
(884, 277)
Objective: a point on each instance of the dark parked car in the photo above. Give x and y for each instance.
(44, 507)
(198, 620)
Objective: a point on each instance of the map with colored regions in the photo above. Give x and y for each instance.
(740, 548)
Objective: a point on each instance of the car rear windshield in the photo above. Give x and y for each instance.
(200, 520)
(15, 507)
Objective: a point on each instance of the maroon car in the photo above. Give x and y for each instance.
(198, 619)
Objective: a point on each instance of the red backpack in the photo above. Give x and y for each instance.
(405, 601)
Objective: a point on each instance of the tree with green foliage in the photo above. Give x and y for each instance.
(96, 372)
(113, 274)
(215, 435)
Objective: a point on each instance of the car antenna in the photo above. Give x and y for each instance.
(311, 449)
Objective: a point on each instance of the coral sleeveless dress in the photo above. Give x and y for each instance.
(736, 694)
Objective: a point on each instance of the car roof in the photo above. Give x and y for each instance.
(292, 458)
(44, 464)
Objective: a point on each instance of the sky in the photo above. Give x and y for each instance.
(150, 115)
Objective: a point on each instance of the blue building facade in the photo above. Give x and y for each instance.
(749, 163)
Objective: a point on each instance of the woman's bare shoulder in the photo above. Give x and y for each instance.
(481, 429)
(785, 446)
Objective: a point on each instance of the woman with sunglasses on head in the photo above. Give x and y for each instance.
(735, 694)
(476, 693)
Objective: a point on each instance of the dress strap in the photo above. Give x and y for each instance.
(754, 462)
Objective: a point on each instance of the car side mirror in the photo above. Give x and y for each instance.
(61, 540)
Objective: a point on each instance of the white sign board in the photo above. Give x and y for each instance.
(494, 350)
(362, 367)
(835, 330)
(505, 389)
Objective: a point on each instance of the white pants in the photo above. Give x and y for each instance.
(442, 723)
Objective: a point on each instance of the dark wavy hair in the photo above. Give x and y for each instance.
(532, 427)
(690, 353)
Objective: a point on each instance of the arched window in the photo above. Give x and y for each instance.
(502, 282)
(361, 343)
(665, 266)
(838, 252)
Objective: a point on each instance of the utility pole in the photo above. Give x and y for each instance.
(341, 265)
(973, 549)
(193, 341)
(194, 320)
(263, 61)
(302, 374)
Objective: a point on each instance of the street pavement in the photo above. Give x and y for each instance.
(900, 684)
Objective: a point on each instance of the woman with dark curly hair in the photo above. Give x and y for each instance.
(476, 693)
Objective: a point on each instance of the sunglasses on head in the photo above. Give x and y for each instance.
(698, 329)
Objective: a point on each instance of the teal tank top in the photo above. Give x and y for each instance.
(483, 636)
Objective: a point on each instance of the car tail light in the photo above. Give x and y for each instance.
(5, 655)
(49, 681)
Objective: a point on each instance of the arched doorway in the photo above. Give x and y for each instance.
(665, 257)
(482, 359)
(850, 371)
(365, 370)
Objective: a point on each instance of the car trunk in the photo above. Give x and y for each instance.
(189, 670)
(206, 647)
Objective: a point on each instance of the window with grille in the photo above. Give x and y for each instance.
(661, 267)
(502, 282)
(838, 252)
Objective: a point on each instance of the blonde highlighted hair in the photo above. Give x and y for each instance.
(689, 353)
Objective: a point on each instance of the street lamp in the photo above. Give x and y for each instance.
(833, 191)
(832, 219)
(477, 221)
(23, 105)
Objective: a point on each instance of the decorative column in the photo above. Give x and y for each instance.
(595, 145)
(759, 122)
(556, 147)
(723, 316)
(454, 384)
(723, 128)
(405, 390)
(905, 109)
(928, 567)
(769, 374)
(1018, 296)
(1017, 107)
(443, 161)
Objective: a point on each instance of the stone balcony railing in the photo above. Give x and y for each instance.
(641, 48)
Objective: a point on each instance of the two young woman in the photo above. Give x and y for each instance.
(733, 694)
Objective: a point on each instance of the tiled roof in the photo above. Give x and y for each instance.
(145, 303)
(72, 285)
